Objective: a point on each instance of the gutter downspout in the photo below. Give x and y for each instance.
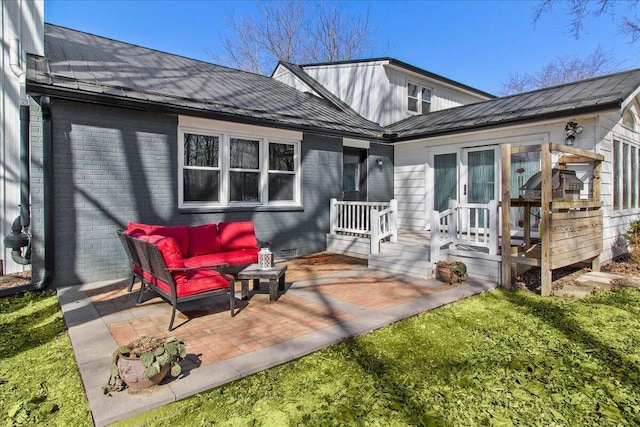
(47, 166)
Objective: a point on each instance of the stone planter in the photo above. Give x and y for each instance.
(444, 274)
(132, 373)
(451, 271)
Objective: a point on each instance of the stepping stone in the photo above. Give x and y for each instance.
(630, 282)
(574, 291)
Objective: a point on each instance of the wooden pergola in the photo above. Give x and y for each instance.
(570, 229)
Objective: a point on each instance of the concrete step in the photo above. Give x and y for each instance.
(415, 267)
(399, 249)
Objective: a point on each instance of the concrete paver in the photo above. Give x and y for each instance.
(312, 314)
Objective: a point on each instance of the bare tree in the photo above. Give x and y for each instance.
(562, 70)
(293, 31)
(579, 10)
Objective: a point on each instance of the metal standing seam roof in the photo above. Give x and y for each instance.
(85, 66)
(595, 94)
(79, 63)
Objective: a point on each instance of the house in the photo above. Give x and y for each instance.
(134, 134)
(129, 133)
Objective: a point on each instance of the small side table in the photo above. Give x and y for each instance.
(275, 275)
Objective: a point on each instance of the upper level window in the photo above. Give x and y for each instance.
(628, 120)
(418, 98)
(219, 169)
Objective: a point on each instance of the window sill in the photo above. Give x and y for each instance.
(219, 209)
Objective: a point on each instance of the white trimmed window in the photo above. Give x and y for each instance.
(625, 175)
(628, 120)
(225, 165)
(418, 98)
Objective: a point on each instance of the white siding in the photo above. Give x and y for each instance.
(598, 135)
(409, 185)
(23, 20)
(413, 185)
(285, 76)
(615, 223)
(363, 86)
(378, 91)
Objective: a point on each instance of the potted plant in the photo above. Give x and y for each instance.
(145, 362)
(451, 271)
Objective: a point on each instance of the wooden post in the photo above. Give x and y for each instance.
(452, 221)
(435, 238)
(333, 216)
(375, 230)
(506, 217)
(493, 227)
(597, 172)
(393, 204)
(526, 238)
(545, 222)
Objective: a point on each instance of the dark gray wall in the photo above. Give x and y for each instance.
(115, 165)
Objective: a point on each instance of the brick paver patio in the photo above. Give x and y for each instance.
(327, 298)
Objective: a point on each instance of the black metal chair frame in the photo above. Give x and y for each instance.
(152, 262)
(134, 259)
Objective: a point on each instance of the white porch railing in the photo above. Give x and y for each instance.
(377, 220)
(454, 225)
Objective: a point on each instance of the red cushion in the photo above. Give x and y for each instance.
(197, 285)
(181, 235)
(148, 229)
(204, 239)
(171, 254)
(135, 232)
(242, 256)
(237, 235)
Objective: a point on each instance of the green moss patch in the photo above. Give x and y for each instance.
(39, 380)
(497, 359)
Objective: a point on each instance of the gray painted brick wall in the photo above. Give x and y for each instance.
(114, 165)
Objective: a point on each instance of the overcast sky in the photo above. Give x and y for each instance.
(478, 43)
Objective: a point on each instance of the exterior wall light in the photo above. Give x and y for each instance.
(572, 129)
(379, 163)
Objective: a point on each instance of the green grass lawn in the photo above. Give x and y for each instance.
(497, 359)
(39, 380)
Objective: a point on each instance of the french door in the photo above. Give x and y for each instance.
(479, 180)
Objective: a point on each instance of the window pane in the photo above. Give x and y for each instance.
(201, 150)
(426, 94)
(625, 176)
(280, 186)
(412, 90)
(281, 157)
(413, 104)
(201, 185)
(634, 181)
(445, 180)
(245, 153)
(426, 107)
(617, 173)
(628, 120)
(244, 186)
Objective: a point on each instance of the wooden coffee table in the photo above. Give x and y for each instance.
(275, 275)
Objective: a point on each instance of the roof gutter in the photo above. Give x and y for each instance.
(615, 105)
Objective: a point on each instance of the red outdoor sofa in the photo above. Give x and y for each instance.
(184, 263)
